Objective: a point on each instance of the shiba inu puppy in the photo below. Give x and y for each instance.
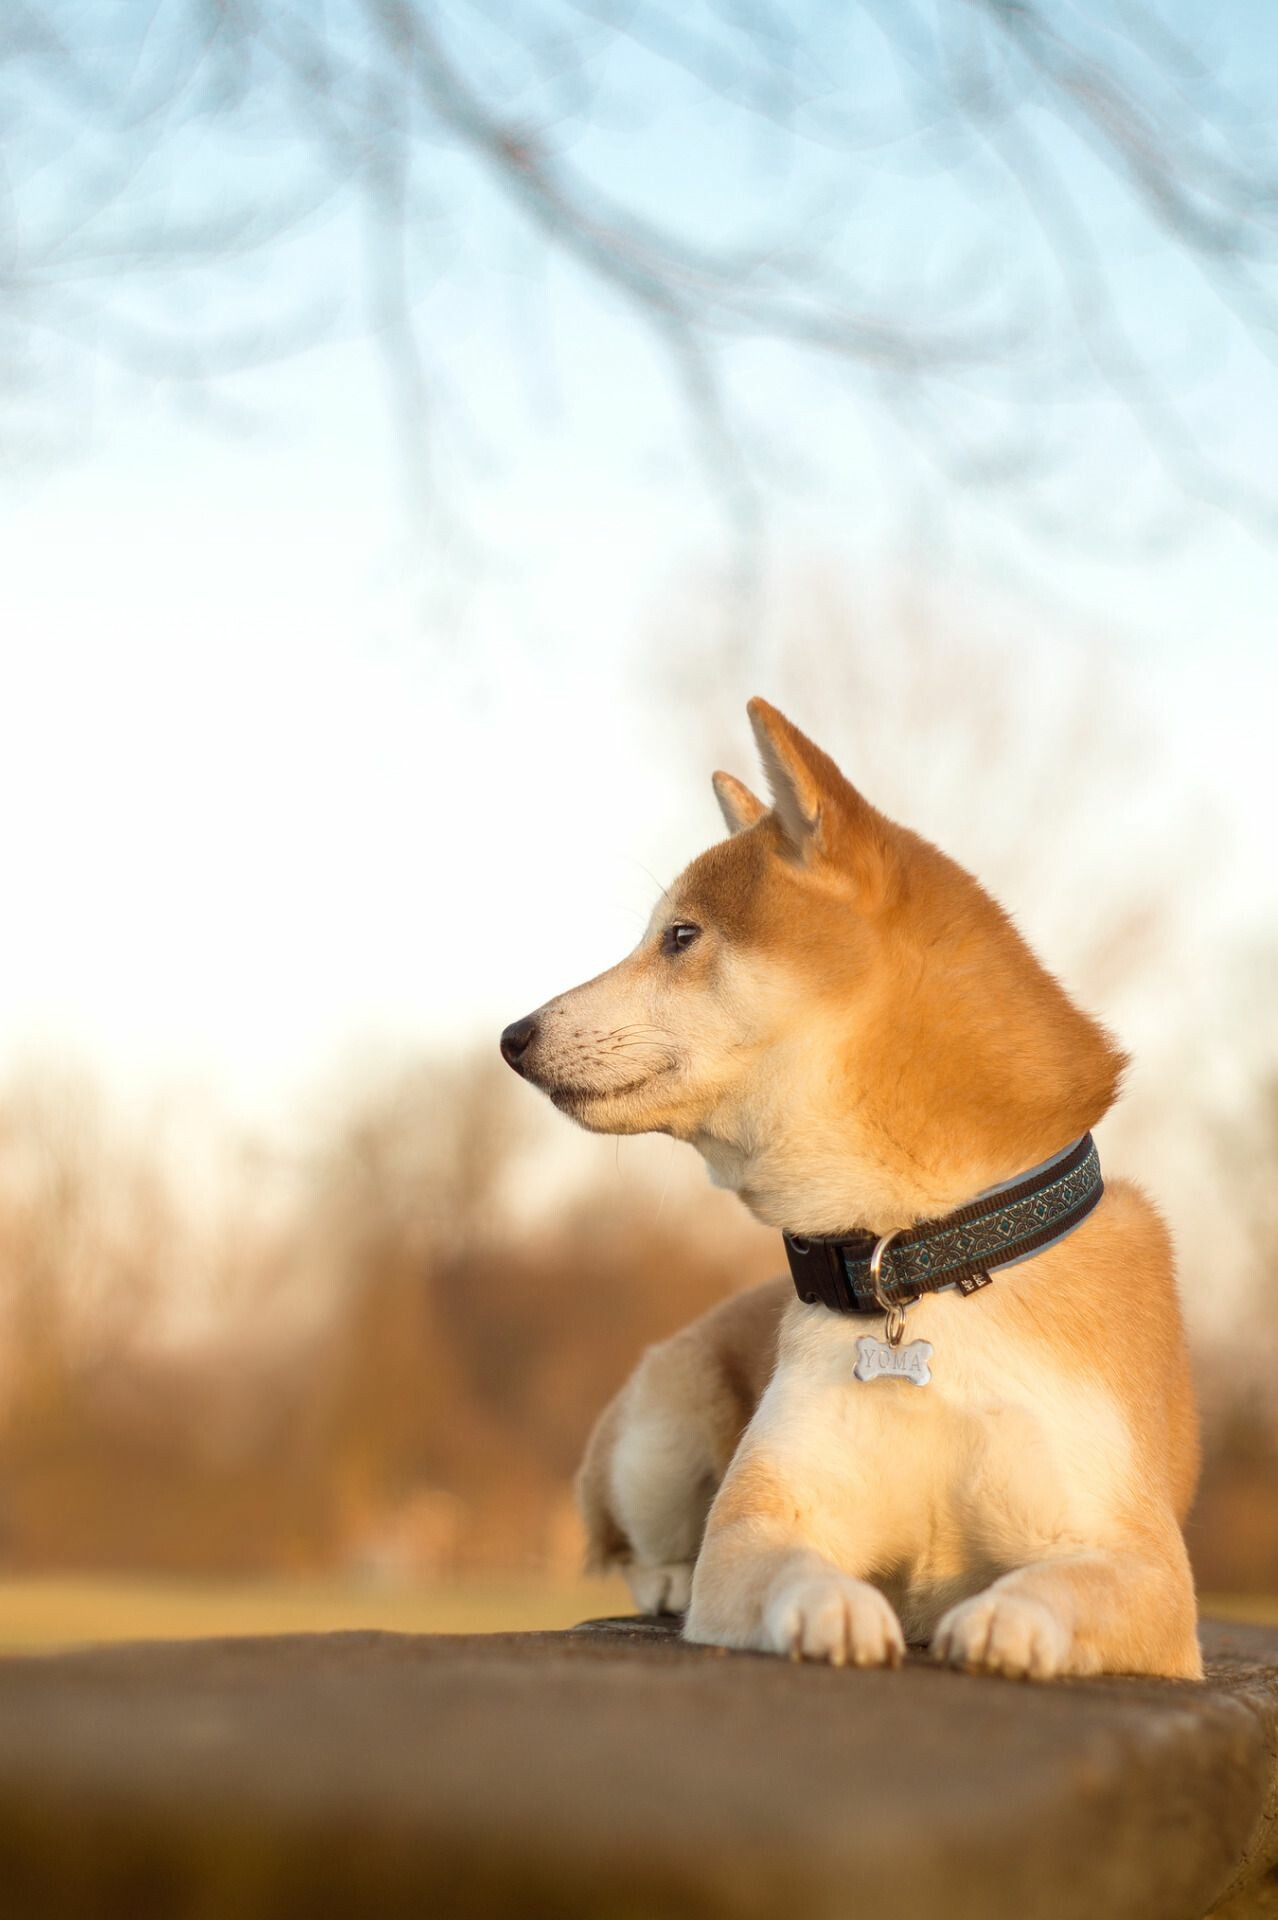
(861, 1045)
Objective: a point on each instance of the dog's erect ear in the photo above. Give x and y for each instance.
(739, 807)
(823, 817)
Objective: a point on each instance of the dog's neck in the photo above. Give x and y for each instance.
(827, 1186)
(826, 1165)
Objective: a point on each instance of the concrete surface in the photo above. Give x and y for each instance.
(613, 1772)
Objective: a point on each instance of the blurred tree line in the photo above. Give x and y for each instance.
(406, 1350)
(390, 1346)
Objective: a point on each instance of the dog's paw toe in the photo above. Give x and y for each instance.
(664, 1589)
(1006, 1633)
(834, 1618)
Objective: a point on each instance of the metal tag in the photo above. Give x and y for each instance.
(876, 1360)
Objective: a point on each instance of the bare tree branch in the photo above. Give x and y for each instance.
(357, 113)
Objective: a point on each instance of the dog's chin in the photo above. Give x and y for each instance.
(627, 1109)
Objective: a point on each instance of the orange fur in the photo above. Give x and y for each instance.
(856, 1036)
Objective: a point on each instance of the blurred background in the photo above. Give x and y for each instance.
(423, 428)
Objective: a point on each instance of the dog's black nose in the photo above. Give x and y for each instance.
(516, 1041)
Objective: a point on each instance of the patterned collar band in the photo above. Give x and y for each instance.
(964, 1250)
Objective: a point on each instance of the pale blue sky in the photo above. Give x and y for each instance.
(270, 797)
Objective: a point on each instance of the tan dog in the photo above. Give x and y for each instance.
(854, 1035)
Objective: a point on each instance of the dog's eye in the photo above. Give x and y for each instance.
(679, 937)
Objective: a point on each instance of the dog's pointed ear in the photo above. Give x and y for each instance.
(740, 808)
(822, 816)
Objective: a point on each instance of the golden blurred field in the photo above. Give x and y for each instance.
(44, 1615)
(40, 1615)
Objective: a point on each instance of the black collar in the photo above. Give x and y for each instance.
(1005, 1224)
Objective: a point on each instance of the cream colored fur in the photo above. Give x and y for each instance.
(855, 1036)
(659, 1452)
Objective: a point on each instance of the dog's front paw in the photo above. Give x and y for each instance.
(1007, 1633)
(661, 1589)
(830, 1616)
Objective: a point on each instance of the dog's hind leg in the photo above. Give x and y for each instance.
(660, 1449)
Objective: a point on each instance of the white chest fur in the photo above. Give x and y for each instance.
(1002, 1458)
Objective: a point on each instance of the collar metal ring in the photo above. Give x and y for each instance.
(894, 1312)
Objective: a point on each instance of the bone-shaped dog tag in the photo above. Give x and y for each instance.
(876, 1360)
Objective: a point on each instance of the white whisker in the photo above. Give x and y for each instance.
(665, 1185)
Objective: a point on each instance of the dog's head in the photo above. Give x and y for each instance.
(833, 1012)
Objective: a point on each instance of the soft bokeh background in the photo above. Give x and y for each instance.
(422, 431)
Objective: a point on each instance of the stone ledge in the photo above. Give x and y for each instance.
(613, 1771)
